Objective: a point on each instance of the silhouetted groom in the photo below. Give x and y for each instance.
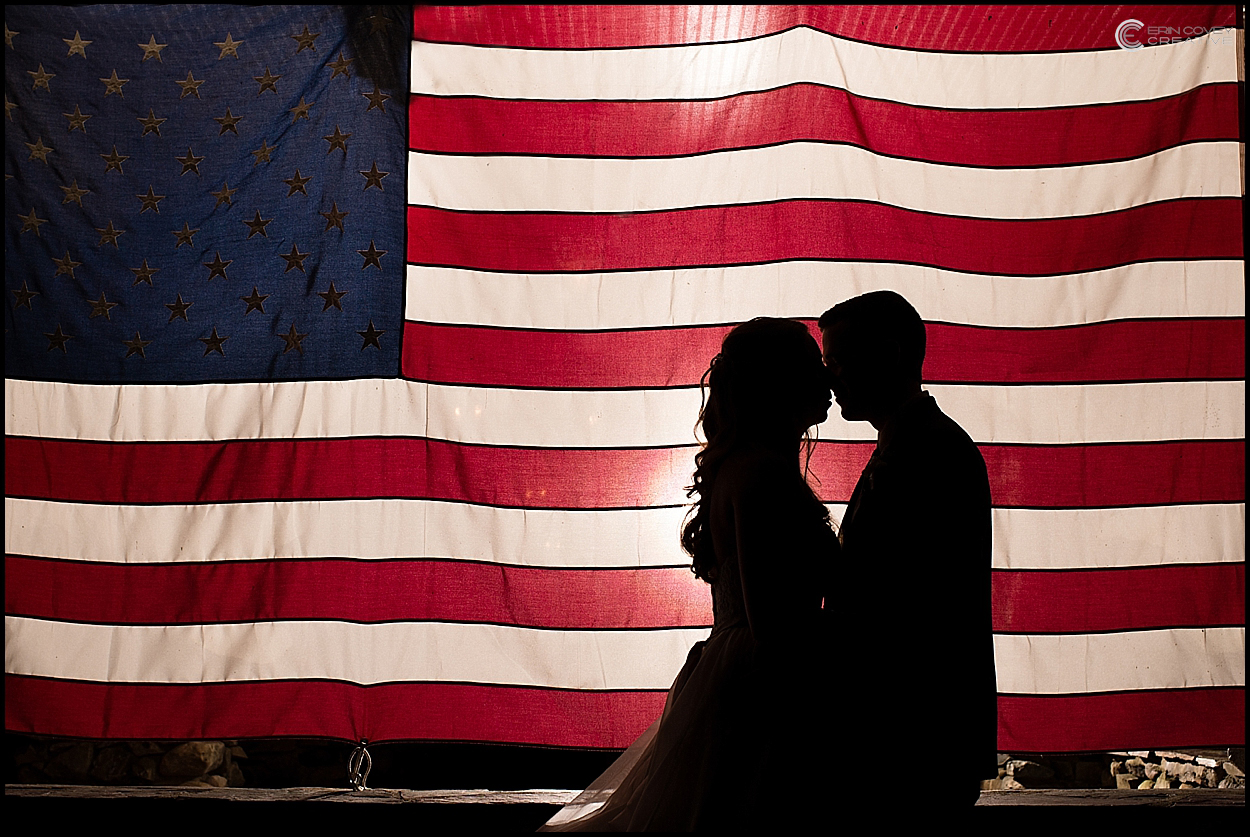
(913, 606)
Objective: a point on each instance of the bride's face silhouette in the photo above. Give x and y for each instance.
(770, 378)
(813, 398)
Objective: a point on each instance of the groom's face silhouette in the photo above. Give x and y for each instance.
(858, 370)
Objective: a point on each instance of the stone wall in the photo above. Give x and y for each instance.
(207, 764)
(1140, 770)
(1161, 769)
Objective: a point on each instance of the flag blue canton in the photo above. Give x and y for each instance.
(204, 193)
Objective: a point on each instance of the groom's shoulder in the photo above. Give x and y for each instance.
(927, 427)
(936, 438)
(952, 433)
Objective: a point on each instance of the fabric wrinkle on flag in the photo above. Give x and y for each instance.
(421, 416)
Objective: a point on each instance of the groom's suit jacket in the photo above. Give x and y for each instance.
(916, 603)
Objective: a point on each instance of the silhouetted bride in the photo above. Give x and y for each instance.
(742, 739)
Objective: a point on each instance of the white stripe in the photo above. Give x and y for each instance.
(363, 529)
(1063, 539)
(1073, 414)
(932, 79)
(1144, 412)
(1024, 539)
(442, 652)
(1046, 664)
(206, 412)
(694, 296)
(808, 170)
(366, 654)
(563, 418)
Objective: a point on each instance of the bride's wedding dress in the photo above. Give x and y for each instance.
(742, 739)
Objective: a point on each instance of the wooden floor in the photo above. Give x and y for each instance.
(1197, 798)
(382, 796)
(483, 810)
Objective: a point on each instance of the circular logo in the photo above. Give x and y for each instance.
(1124, 34)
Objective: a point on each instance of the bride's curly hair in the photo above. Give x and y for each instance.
(759, 361)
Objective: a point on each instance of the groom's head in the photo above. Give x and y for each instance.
(874, 348)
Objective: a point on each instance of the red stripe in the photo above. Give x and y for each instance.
(403, 711)
(1173, 718)
(947, 28)
(1047, 476)
(1086, 601)
(590, 360)
(357, 591)
(1122, 721)
(1076, 476)
(1009, 138)
(1134, 350)
(833, 230)
(346, 468)
(367, 591)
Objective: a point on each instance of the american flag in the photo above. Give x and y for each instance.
(306, 436)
